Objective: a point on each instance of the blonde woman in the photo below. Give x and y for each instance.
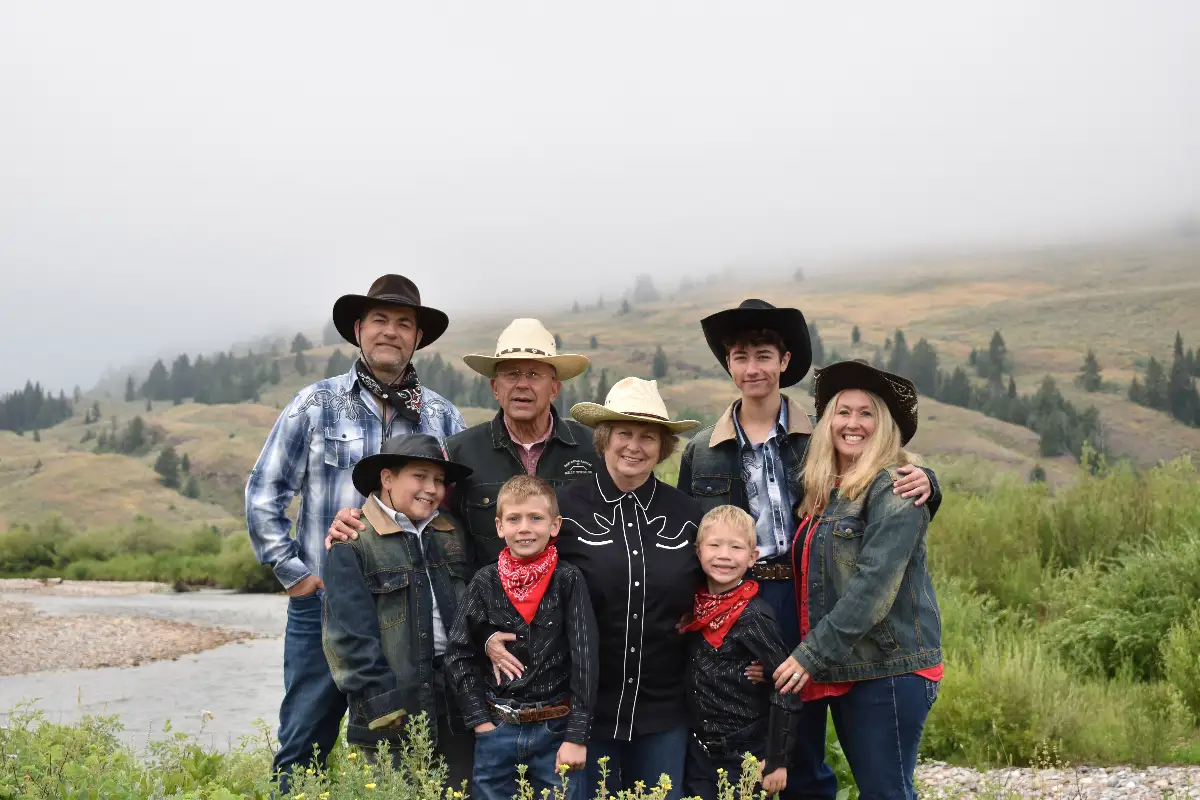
(869, 622)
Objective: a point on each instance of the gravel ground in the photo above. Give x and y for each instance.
(942, 782)
(33, 642)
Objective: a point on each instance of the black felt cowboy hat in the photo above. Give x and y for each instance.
(388, 290)
(398, 451)
(899, 394)
(754, 315)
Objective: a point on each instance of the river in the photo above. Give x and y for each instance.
(236, 683)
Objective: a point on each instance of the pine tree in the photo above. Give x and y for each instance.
(798, 275)
(1137, 394)
(1182, 400)
(185, 464)
(1012, 388)
(877, 361)
(898, 360)
(1037, 474)
(192, 488)
(1089, 374)
(575, 307)
(149, 404)
(855, 336)
(594, 343)
(76, 394)
(602, 388)
(275, 377)
(660, 364)
(818, 347)
(167, 465)
(923, 368)
(957, 389)
(130, 390)
(338, 364)
(301, 343)
(96, 411)
(997, 355)
(1178, 345)
(301, 364)
(625, 308)
(158, 383)
(557, 343)
(181, 382)
(37, 436)
(330, 335)
(1157, 386)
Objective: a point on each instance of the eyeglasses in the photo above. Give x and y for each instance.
(514, 375)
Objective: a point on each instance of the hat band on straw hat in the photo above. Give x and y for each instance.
(643, 414)
(532, 350)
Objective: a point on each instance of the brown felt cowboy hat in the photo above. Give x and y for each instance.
(398, 451)
(388, 290)
(898, 393)
(754, 315)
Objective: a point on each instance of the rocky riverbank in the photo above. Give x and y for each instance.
(31, 641)
(943, 782)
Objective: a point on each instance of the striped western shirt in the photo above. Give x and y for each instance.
(311, 452)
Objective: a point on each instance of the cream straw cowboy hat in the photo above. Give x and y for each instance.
(528, 339)
(631, 400)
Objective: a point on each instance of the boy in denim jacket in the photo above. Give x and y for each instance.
(390, 596)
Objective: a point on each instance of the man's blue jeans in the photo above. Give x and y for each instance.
(312, 708)
(534, 744)
(643, 758)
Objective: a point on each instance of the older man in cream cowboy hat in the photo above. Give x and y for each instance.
(526, 436)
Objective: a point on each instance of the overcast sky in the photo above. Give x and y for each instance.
(180, 176)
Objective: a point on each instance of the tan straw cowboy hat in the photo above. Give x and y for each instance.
(631, 400)
(528, 339)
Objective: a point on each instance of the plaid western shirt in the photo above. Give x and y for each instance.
(767, 493)
(311, 452)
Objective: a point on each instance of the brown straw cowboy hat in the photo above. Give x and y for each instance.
(898, 393)
(389, 290)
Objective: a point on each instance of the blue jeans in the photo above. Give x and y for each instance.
(643, 758)
(879, 724)
(312, 708)
(809, 777)
(534, 744)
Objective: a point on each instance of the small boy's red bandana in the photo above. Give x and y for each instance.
(714, 614)
(525, 579)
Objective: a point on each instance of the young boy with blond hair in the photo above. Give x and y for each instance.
(543, 718)
(731, 627)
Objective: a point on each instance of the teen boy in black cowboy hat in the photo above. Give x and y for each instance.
(391, 596)
(326, 429)
(752, 458)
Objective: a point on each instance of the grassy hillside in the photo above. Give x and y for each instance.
(1125, 302)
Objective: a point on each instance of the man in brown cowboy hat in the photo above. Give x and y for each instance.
(311, 452)
(527, 436)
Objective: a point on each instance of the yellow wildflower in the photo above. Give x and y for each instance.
(300, 796)
(352, 754)
(370, 786)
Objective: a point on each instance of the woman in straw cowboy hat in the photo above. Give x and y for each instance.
(869, 619)
(632, 537)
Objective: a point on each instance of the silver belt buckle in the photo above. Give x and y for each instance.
(507, 713)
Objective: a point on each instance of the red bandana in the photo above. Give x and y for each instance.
(714, 614)
(525, 579)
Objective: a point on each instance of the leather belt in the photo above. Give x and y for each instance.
(519, 715)
(773, 572)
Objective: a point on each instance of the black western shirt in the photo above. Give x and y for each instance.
(558, 649)
(723, 705)
(637, 552)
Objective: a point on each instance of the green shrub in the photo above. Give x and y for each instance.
(1112, 618)
(239, 570)
(1181, 659)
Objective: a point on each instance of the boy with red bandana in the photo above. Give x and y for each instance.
(731, 627)
(543, 718)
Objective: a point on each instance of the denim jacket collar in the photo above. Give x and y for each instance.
(724, 430)
(384, 523)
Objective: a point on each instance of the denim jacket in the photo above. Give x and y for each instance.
(378, 616)
(872, 610)
(711, 472)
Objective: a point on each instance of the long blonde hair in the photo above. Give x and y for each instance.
(820, 462)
